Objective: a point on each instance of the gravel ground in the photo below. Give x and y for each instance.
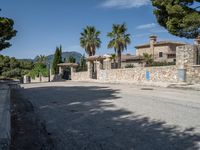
(94, 116)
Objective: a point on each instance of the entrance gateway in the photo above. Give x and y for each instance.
(66, 69)
(95, 63)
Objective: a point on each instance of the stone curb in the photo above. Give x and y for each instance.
(5, 114)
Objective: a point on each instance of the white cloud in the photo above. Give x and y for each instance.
(125, 3)
(147, 26)
(159, 30)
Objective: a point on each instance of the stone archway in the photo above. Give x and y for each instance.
(95, 63)
(66, 70)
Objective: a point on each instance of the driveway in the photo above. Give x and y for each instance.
(94, 116)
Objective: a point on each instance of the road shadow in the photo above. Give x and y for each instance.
(84, 118)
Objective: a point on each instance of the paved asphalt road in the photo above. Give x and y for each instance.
(93, 116)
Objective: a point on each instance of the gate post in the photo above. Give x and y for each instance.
(90, 69)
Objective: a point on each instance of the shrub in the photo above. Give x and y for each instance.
(164, 63)
(129, 66)
(15, 73)
(39, 69)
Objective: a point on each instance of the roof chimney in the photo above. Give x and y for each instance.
(153, 40)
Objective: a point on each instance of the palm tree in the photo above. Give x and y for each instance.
(148, 58)
(90, 40)
(119, 40)
(41, 59)
(113, 58)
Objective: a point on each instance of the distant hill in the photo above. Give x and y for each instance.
(66, 55)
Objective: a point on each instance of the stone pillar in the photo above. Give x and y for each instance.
(107, 63)
(185, 56)
(99, 65)
(26, 79)
(90, 69)
(153, 40)
(197, 41)
(73, 70)
(60, 70)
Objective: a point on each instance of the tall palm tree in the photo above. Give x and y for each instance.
(119, 40)
(90, 40)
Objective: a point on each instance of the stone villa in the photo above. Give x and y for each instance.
(161, 50)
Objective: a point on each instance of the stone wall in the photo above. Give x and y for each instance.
(45, 79)
(185, 70)
(80, 76)
(187, 60)
(157, 74)
(37, 79)
(193, 74)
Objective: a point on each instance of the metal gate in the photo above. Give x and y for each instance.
(198, 55)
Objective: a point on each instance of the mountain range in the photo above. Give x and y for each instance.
(65, 56)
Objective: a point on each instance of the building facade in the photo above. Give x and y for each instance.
(160, 50)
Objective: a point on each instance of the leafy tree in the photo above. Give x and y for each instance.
(26, 65)
(13, 68)
(90, 40)
(41, 59)
(180, 17)
(148, 59)
(14, 63)
(14, 73)
(6, 32)
(83, 64)
(119, 40)
(57, 59)
(71, 59)
(39, 69)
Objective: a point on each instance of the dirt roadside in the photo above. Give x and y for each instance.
(28, 132)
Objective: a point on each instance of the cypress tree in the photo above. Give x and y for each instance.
(57, 59)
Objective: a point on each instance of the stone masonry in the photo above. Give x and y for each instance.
(187, 61)
(186, 70)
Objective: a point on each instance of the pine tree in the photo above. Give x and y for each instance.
(180, 17)
(57, 59)
(7, 32)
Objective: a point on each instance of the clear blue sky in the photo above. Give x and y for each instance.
(44, 24)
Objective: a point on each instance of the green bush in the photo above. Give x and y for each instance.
(15, 73)
(39, 69)
(164, 63)
(129, 66)
(14, 68)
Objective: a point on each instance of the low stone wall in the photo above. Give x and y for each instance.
(5, 124)
(80, 76)
(156, 74)
(44, 79)
(193, 74)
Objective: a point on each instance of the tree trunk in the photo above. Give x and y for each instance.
(119, 56)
